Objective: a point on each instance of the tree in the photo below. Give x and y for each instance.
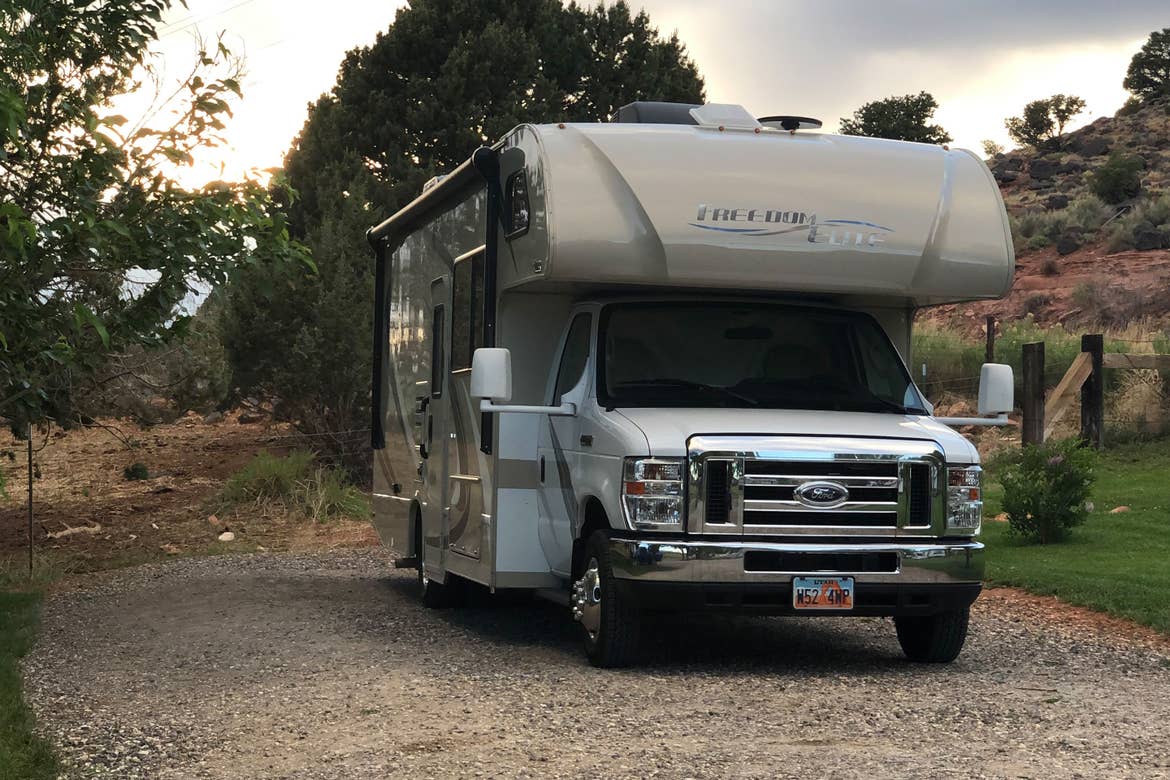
(991, 148)
(445, 78)
(1148, 76)
(99, 243)
(903, 118)
(1044, 120)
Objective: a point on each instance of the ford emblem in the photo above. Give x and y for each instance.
(822, 495)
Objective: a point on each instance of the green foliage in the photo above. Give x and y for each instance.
(1044, 120)
(23, 756)
(442, 80)
(991, 148)
(1114, 562)
(1152, 213)
(1118, 179)
(901, 117)
(267, 477)
(1148, 76)
(296, 482)
(1040, 228)
(135, 471)
(99, 243)
(1046, 489)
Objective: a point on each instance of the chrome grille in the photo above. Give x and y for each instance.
(813, 485)
(769, 488)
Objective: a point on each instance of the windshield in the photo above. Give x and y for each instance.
(769, 356)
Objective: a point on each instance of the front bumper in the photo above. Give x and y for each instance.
(890, 578)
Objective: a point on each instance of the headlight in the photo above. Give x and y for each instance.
(652, 494)
(965, 499)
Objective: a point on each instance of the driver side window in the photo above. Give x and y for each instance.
(574, 356)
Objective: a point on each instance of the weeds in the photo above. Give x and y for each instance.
(48, 567)
(296, 482)
(135, 471)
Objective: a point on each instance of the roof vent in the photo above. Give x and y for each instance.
(725, 115)
(656, 113)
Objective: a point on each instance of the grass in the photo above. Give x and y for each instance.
(23, 756)
(1113, 563)
(298, 483)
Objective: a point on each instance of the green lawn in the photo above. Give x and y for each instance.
(1119, 563)
(22, 756)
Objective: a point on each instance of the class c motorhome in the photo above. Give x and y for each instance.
(660, 363)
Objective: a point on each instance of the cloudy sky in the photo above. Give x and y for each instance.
(982, 61)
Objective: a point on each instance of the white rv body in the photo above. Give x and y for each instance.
(533, 245)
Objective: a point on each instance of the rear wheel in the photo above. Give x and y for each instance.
(934, 639)
(610, 622)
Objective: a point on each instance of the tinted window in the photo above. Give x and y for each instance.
(437, 353)
(467, 311)
(574, 357)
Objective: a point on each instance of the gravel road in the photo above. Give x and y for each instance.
(324, 666)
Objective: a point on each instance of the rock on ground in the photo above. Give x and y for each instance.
(325, 666)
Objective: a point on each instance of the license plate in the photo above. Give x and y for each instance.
(822, 593)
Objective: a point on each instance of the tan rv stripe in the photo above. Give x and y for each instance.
(518, 474)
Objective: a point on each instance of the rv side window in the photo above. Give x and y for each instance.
(467, 311)
(574, 357)
(437, 353)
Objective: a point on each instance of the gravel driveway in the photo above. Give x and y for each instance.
(325, 666)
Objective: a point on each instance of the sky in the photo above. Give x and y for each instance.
(982, 61)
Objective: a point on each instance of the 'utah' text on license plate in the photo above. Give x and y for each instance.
(822, 593)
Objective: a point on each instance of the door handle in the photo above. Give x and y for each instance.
(542, 469)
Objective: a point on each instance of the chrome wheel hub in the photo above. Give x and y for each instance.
(586, 601)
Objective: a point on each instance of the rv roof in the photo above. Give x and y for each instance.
(736, 206)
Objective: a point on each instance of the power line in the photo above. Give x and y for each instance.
(189, 25)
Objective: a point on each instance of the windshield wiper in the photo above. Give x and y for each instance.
(673, 382)
(890, 406)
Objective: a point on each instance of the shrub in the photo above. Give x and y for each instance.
(1038, 242)
(1050, 267)
(298, 484)
(267, 477)
(136, 471)
(1045, 489)
(1118, 179)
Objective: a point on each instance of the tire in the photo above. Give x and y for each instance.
(432, 594)
(934, 639)
(609, 622)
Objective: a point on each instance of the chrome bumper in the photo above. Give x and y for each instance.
(722, 562)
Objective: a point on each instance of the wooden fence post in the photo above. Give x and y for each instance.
(1032, 403)
(1093, 393)
(990, 353)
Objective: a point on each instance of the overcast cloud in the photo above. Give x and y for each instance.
(982, 61)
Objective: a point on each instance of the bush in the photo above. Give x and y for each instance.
(1046, 489)
(136, 471)
(1118, 179)
(296, 482)
(1150, 214)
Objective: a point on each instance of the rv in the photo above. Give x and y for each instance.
(660, 363)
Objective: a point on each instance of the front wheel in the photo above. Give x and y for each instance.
(610, 622)
(933, 639)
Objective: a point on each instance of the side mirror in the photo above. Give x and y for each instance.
(491, 374)
(996, 389)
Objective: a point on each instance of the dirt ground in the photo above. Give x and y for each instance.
(79, 483)
(326, 666)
